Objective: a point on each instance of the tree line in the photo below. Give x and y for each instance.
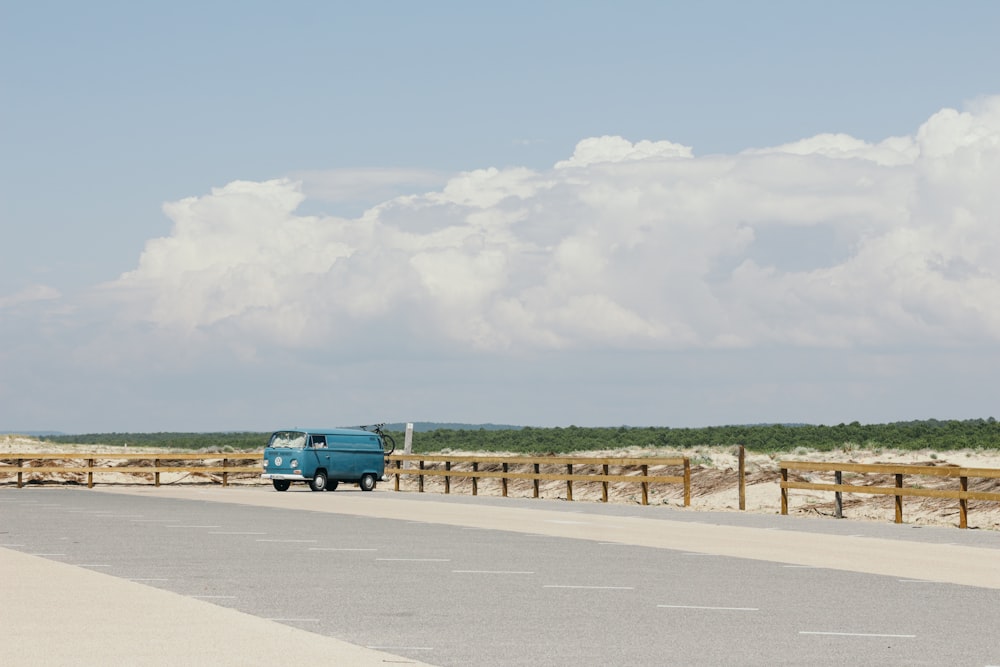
(923, 434)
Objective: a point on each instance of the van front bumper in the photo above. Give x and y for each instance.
(281, 475)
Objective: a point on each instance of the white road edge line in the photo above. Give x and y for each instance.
(400, 648)
(687, 606)
(854, 634)
(295, 620)
(596, 588)
(417, 560)
(338, 549)
(290, 541)
(491, 572)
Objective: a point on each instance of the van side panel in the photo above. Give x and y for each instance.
(352, 455)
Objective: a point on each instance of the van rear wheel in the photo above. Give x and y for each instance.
(318, 482)
(280, 484)
(367, 482)
(331, 485)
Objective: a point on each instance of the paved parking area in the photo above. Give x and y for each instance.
(482, 581)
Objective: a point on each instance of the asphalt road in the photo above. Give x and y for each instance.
(485, 581)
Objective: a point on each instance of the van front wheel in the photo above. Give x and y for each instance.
(367, 482)
(280, 484)
(318, 482)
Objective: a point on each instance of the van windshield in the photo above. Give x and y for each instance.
(288, 440)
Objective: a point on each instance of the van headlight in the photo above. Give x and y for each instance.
(294, 463)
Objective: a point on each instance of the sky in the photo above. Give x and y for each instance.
(256, 215)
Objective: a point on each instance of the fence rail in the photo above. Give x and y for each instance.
(443, 466)
(899, 473)
(20, 465)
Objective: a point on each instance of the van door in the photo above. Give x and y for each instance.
(321, 452)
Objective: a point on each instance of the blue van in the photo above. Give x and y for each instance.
(323, 458)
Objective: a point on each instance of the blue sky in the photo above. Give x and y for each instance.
(249, 215)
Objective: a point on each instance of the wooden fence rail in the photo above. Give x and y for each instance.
(20, 465)
(535, 468)
(899, 472)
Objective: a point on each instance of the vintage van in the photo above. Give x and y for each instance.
(323, 458)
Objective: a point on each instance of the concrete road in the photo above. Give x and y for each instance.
(202, 575)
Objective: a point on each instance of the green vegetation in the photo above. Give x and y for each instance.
(927, 434)
(216, 442)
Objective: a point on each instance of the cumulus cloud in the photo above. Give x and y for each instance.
(825, 242)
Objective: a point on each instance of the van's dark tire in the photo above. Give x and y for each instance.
(331, 486)
(318, 482)
(280, 484)
(367, 482)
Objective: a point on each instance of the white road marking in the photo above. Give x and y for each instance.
(290, 541)
(801, 567)
(686, 606)
(562, 521)
(338, 549)
(594, 588)
(234, 532)
(295, 620)
(11, 545)
(400, 648)
(854, 634)
(491, 572)
(46, 554)
(917, 581)
(187, 526)
(147, 579)
(89, 565)
(417, 560)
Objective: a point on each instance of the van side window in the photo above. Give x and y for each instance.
(319, 441)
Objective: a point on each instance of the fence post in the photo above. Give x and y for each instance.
(156, 472)
(20, 479)
(90, 473)
(784, 491)
(743, 477)
(645, 484)
(503, 481)
(604, 485)
(687, 482)
(225, 475)
(475, 480)
(420, 478)
(963, 503)
(399, 466)
(838, 478)
(569, 482)
(899, 498)
(535, 481)
(447, 478)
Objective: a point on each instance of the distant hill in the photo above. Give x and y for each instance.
(33, 434)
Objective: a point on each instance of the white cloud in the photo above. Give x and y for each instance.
(371, 184)
(30, 294)
(826, 242)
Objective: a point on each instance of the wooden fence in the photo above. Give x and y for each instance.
(899, 472)
(224, 464)
(538, 468)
